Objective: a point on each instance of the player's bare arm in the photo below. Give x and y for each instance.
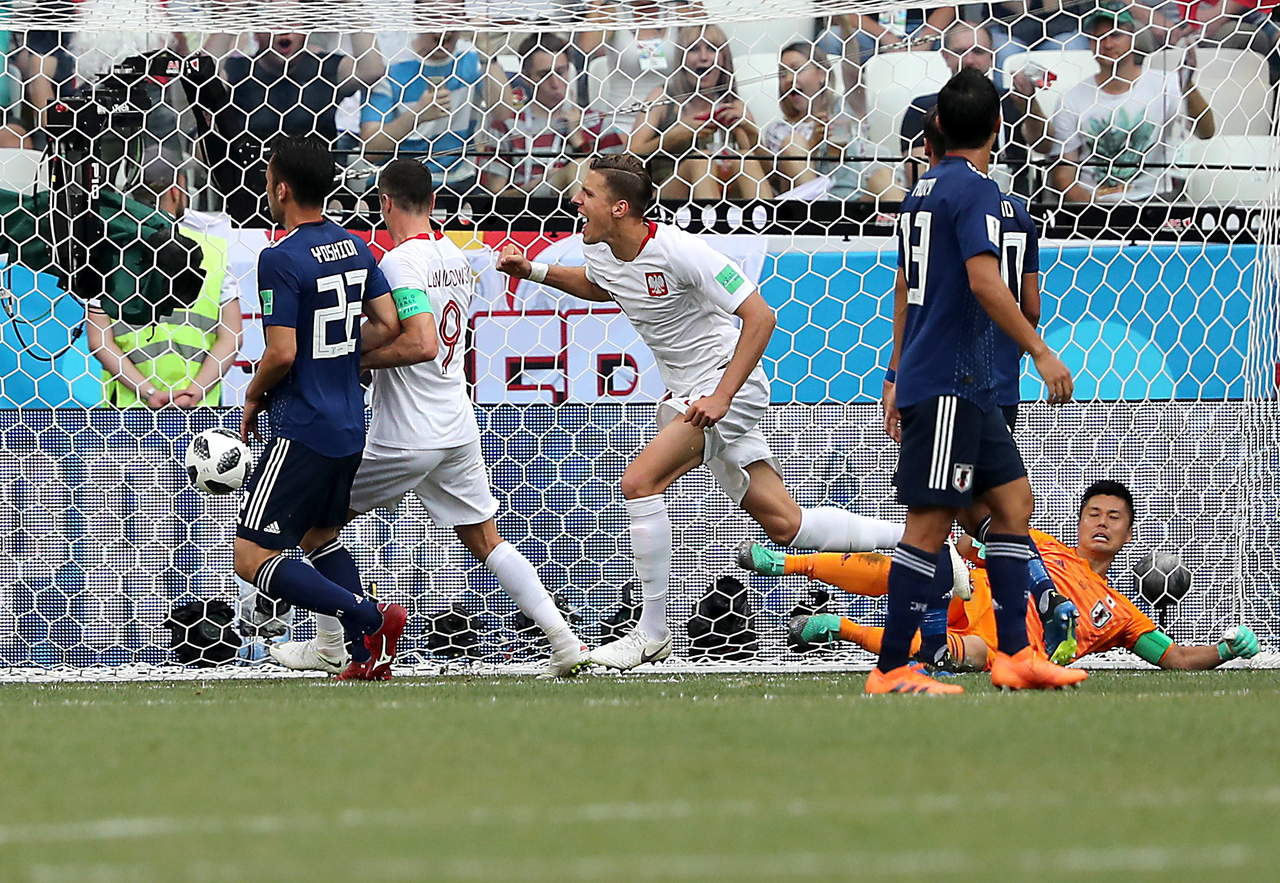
(417, 342)
(277, 360)
(758, 322)
(889, 397)
(570, 280)
(998, 301)
(382, 323)
(1030, 299)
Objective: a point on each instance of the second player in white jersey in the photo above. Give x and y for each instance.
(426, 404)
(683, 297)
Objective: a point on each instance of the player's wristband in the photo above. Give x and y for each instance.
(890, 375)
(1152, 645)
(538, 271)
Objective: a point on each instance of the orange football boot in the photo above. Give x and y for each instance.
(1030, 669)
(908, 679)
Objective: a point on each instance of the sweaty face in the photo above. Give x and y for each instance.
(595, 204)
(1105, 525)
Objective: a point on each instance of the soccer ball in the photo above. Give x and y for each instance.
(217, 461)
(1162, 578)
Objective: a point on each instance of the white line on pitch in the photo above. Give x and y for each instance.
(1078, 861)
(142, 827)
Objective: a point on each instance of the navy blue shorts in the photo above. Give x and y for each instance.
(1010, 415)
(952, 452)
(292, 490)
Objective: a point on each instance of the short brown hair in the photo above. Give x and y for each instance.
(626, 178)
(408, 182)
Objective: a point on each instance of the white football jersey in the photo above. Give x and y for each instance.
(680, 294)
(426, 406)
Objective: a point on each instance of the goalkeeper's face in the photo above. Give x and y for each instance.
(1105, 525)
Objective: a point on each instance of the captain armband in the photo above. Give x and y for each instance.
(411, 302)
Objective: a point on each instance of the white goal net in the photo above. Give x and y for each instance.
(786, 133)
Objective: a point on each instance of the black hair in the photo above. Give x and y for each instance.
(306, 165)
(626, 178)
(1109, 488)
(535, 43)
(408, 182)
(933, 135)
(968, 110)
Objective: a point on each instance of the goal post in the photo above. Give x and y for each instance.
(1156, 208)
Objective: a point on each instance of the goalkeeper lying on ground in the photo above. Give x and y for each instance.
(1082, 614)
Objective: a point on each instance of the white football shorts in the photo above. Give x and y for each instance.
(735, 442)
(452, 483)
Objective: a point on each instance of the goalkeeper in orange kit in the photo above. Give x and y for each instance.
(1083, 614)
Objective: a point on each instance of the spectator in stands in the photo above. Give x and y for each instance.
(431, 104)
(39, 63)
(637, 64)
(182, 359)
(698, 134)
(287, 87)
(1023, 122)
(13, 134)
(811, 141)
(1117, 132)
(856, 38)
(539, 142)
(1233, 24)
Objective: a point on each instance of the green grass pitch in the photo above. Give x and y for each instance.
(657, 777)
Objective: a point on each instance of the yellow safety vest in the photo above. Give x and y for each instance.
(169, 353)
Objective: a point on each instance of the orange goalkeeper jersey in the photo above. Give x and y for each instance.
(1107, 618)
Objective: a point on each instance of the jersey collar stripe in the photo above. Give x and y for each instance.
(653, 231)
(430, 234)
(253, 518)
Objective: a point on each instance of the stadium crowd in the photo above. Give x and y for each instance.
(517, 114)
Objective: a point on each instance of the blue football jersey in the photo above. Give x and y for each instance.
(951, 215)
(1019, 255)
(316, 280)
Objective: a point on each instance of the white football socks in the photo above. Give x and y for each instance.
(330, 639)
(651, 551)
(521, 581)
(831, 529)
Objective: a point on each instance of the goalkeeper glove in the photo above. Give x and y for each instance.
(1238, 642)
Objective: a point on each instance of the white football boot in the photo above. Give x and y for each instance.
(635, 649)
(305, 656)
(567, 661)
(960, 586)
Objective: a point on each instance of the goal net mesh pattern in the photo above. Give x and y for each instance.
(784, 133)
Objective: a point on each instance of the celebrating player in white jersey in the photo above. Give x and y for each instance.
(681, 296)
(423, 437)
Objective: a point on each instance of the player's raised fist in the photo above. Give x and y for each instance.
(1056, 376)
(512, 262)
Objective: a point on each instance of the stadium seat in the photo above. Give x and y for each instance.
(597, 69)
(1233, 81)
(1070, 66)
(892, 80)
(756, 77)
(1249, 182)
(21, 170)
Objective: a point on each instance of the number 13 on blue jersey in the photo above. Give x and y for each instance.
(913, 249)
